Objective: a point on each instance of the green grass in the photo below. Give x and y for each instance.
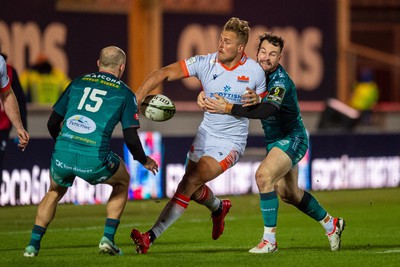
(371, 237)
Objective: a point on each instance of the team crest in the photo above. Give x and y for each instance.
(243, 79)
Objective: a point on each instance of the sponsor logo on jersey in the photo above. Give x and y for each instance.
(283, 142)
(93, 77)
(276, 94)
(63, 165)
(190, 61)
(243, 79)
(81, 124)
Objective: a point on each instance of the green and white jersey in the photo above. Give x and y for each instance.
(92, 105)
(287, 121)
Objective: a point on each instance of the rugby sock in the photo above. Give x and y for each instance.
(110, 228)
(327, 223)
(152, 236)
(218, 211)
(269, 209)
(269, 234)
(36, 236)
(310, 206)
(208, 199)
(171, 212)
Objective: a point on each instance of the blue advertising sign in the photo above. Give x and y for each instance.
(347, 161)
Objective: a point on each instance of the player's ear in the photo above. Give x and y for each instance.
(98, 63)
(122, 67)
(241, 48)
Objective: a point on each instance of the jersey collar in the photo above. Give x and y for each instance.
(240, 62)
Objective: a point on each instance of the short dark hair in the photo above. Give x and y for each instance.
(272, 39)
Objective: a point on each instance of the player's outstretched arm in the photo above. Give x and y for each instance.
(171, 72)
(151, 165)
(134, 145)
(221, 106)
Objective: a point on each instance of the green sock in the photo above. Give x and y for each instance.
(269, 208)
(36, 236)
(111, 228)
(310, 206)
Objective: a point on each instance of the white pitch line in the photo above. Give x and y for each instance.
(390, 251)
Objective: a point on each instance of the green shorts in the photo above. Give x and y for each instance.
(294, 146)
(66, 166)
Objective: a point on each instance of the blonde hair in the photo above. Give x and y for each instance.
(240, 27)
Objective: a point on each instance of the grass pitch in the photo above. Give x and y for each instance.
(371, 236)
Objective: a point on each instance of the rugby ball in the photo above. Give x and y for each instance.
(157, 107)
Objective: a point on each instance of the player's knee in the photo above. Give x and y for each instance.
(262, 179)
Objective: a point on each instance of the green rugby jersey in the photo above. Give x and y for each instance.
(282, 93)
(92, 105)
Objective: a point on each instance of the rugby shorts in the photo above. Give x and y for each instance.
(226, 152)
(294, 146)
(65, 167)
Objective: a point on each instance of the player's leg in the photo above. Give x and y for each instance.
(119, 194)
(219, 208)
(197, 173)
(45, 214)
(115, 205)
(290, 193)
(271, 170)
(226, 154)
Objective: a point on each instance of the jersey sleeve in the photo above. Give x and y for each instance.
(261, 87)
(62, 103)
(277, 89)
(130, 115)
(195, 66)
(4, 80)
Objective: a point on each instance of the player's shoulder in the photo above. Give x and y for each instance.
(281, 78)
(208, 58)
(252, 64)
(280, 74)
(250, 60)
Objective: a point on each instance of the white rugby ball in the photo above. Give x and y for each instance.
(157, 107)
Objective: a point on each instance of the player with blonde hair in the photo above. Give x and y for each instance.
(221, 139)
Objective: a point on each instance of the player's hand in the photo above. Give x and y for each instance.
(218, 105)
(250, 98)
(23, 138)
(200, 100)
(151, 165)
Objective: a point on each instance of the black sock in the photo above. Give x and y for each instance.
(218, 211)
(152, 236)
